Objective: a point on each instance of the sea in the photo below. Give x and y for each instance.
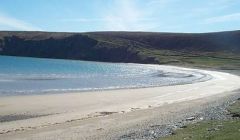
(27, 76)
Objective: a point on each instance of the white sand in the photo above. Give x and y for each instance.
(65, 108)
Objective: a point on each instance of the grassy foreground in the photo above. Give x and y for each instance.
(211, 130)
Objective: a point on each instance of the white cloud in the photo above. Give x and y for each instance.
(159, 3)
(82, 20)
(224, 18)
(104, 19)
(16, 24)
(127, 16)
(204, 9)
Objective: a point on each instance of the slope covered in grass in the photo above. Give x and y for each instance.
(220, 50)
(213, 129)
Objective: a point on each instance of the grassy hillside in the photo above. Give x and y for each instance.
(218, 50)
(212, 129)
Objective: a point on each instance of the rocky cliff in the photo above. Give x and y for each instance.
(138, 47)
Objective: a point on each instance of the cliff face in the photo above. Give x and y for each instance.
(72, 47)
(50, 47)
(204, 42)
(66, 46)
(139, 47)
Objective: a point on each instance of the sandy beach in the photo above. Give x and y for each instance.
(105, 114)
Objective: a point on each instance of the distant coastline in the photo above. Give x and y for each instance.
(205, 50)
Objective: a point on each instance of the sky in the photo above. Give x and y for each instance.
(120, 15)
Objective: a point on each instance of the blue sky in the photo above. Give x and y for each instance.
(120, 15)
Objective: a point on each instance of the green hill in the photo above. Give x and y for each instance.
(218, 50)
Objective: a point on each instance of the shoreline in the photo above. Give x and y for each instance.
(152, 123)
(162, 70)
(66, 109)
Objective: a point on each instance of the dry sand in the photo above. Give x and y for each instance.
(104, 114)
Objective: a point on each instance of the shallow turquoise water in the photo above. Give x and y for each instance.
(21, 76)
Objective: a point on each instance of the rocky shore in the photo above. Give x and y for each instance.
(212, 110)
(216, 110)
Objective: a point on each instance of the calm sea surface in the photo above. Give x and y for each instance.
(23, 76)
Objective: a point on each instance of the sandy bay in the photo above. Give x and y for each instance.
(102, 114)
